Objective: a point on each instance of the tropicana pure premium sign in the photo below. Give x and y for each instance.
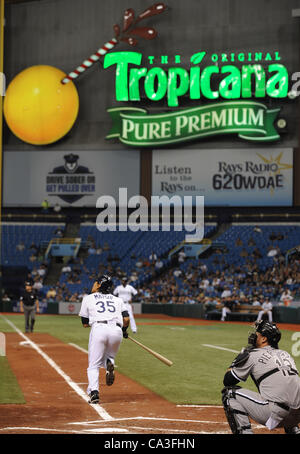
(236, 105)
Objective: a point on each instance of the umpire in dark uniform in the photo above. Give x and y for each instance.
(29, 304)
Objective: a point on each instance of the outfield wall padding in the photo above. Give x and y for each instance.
(174, 310)
(281, 314)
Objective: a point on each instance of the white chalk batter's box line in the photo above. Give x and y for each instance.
(107, 430)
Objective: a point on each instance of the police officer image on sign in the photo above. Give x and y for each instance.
(29, 304)
(277, 402)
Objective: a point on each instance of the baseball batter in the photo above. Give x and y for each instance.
(277, 402)
(109, 320)
(126, 292)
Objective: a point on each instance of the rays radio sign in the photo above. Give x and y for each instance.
(70, 181)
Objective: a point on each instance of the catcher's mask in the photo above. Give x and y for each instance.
(105, 283)
(267, 329)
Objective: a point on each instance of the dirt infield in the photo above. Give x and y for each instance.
(54, 389)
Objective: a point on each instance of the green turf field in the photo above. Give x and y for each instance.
(197, 373)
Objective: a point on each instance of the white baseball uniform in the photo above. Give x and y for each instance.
(104, 312)
(266, 307)
(126, 292)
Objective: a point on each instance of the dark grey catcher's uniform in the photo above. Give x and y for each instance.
(277, 402)
(275, 374)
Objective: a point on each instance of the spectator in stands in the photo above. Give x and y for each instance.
(238, 242)
(41, 271)
(216, 283)
(51, 294)
(33, 258)
(257, 301)
(34, 248)
(99, 250)
(286, 297)
(139, 263)
(257, 229)
(290, 281)
(38, 284)
(106, 246)
(59, 232)
(226, 292)
(204, 284)
(20, 247)
(251, 242)
(145, 294)
(45, 206)
(74, 298)
(134, 276)
(57, 208)
(152, 257)
(66, 269)
(257, 254)
(244, 253)
(272, 251)
(159, 264)
(177, 272)
(209, 303)
(84, 293)
(181, 256)
(147, 263)
(91, 250)
(34, 272)
(203, 267)
(6, 298)
(60, 296)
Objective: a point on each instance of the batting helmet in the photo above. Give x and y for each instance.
(270, 331)
(105, 282)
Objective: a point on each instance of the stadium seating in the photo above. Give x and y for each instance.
(261, 237)
(129, 247)
(125, 249)
(27, 234)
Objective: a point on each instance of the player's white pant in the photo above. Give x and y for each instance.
(225, 311)
(104, 343)
(131, 317)
(260, 314)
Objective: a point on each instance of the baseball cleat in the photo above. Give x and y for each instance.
(110, 373)
(94, 397)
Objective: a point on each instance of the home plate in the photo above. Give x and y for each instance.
(106, 430)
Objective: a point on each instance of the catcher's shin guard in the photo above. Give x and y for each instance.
(234, 416)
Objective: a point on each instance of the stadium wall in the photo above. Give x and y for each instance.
(280, 314)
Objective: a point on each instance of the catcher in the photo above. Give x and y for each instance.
(277, 402)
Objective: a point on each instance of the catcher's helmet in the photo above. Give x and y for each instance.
(105, 282)
(270, 331)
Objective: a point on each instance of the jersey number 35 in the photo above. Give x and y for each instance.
(106, 305)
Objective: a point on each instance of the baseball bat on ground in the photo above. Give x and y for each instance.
(149, 350)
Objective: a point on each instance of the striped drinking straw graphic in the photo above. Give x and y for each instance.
(90, 61)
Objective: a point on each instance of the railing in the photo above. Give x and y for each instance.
(57, 241)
